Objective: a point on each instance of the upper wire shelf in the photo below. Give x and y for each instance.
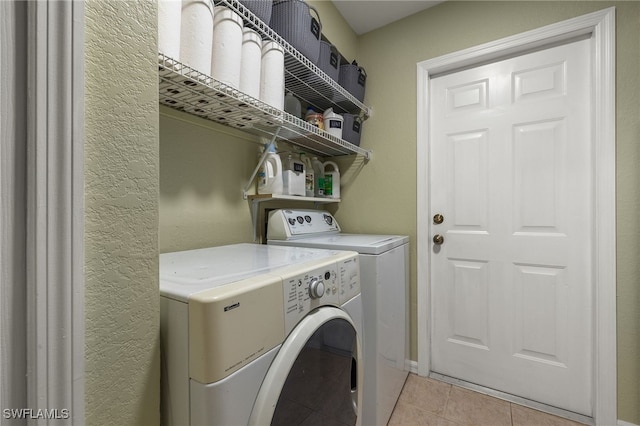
(302, 77)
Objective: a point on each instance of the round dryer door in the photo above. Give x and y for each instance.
(316, 375)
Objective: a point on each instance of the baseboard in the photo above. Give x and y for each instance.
(413, 368)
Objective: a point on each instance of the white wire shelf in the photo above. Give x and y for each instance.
(186, 89)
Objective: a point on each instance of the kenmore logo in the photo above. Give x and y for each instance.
(230, 307)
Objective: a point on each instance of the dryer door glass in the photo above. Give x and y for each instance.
(321, 386)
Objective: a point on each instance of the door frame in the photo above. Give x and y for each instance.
(601, 26)
(55, 208)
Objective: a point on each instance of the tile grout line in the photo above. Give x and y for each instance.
(511, 413)
(446, 404)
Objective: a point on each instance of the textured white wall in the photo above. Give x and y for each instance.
(121, 213)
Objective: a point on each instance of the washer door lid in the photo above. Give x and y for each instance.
(274, 381)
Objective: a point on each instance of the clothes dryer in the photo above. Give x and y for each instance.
(384, 267)
(256, 334)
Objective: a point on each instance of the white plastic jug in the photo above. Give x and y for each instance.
(250, 63)
(333, 123)
(270, 175)
(294, 177)
(331, 180)
(226, 52)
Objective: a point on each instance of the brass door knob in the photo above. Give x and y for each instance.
(438, 239)
(438, 219)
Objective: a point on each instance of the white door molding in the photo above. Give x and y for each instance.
(55, 198)
(601, 26)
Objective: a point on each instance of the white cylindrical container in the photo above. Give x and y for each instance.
(272, 75)
(169, 17)
(226, 53)
(333, 123)
(331, 180)
(250, 63)
(196, 32)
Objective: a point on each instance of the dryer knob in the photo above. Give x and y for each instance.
(316, 288)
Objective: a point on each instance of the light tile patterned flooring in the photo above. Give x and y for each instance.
(428, 402)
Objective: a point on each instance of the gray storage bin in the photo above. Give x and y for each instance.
(354, 79)
(352, 128)
(260, 8)
(329, 63)
(329, 60)
(292, 20)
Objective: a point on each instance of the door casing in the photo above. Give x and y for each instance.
(601, 26)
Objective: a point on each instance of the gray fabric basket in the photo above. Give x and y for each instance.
(352, 128)
(354, 79)
(293, 21)
(260, 8)
(329, 60)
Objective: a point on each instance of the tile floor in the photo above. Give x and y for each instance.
(428, 402)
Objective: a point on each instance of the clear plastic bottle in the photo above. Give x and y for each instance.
(318, 171)
(314, 118)
(292, 105)
(309, 180)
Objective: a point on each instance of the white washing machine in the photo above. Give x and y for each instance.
(384, 268)
(256, 334)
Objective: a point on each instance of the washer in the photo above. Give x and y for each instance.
(384, 263)
(256, 334)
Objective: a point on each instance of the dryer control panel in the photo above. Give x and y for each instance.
(333, 283)
(290, 224)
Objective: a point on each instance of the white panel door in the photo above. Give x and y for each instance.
(510, 172)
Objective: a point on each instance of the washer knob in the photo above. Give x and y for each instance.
(316, 288)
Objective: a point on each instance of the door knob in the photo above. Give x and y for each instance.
(438, 239)
(438, 219)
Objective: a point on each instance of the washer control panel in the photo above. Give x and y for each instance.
(333, 283)
(286, 224)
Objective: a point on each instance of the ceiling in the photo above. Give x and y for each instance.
(366, 15)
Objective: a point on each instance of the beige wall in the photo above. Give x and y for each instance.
(336, 29)
(122, 354)
(203, 168)
(390, 55)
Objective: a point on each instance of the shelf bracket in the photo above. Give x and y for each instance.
(268, 147)
(254, 219)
